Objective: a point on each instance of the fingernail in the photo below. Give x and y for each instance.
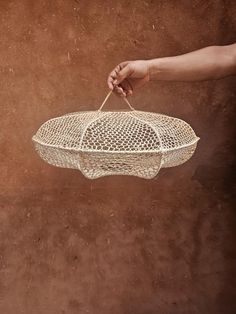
(115, 82)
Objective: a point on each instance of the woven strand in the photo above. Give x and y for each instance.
(106, 98)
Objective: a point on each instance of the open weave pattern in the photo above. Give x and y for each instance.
(101, 143)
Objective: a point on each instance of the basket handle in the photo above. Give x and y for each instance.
(108, 95)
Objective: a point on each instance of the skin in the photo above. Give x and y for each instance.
(209, 63)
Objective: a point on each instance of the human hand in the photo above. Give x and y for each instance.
(127, 76)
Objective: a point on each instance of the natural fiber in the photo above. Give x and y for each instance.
(101, 143)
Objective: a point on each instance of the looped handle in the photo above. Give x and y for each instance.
(108, 95)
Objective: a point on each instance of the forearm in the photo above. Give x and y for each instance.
(204, 64)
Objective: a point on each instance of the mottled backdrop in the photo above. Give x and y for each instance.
(116, 245)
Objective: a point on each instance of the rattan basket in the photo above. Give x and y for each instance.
(124, 142)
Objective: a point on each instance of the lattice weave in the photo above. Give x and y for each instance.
(101, 143)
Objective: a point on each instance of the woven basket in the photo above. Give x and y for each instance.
(101, 143)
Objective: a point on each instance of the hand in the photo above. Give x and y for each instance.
(127, 76)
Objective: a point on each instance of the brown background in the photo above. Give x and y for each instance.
(117, 245)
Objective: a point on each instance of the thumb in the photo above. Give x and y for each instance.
(123, 74)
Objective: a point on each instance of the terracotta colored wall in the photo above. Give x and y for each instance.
(119, 245)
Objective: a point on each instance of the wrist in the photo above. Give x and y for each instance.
(153, 68)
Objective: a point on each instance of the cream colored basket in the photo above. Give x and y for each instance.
(126, 142)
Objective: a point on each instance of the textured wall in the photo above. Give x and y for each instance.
(119, 245)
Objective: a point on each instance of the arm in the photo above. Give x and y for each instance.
(205, 64)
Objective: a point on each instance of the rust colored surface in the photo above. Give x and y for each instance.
(119, 245)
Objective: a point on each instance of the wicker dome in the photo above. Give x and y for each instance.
(101, 143)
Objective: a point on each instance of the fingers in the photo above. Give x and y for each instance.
(119, 91)
(123, 74)
(124, 89)
(127, 87)
(117, 79)
(114, 74)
